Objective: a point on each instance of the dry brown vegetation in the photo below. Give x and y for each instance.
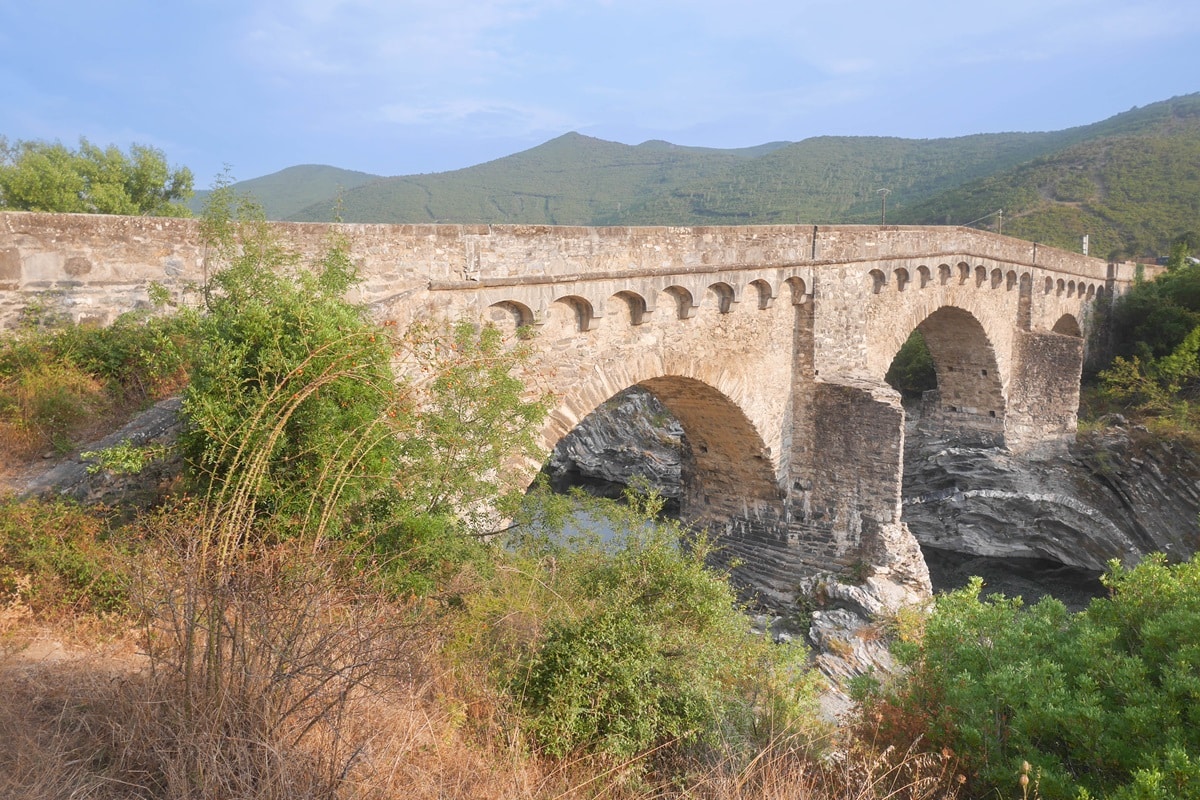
(308, 685)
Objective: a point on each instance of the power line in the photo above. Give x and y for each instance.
(1000, 212)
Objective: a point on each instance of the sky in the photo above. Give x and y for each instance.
(415, 86)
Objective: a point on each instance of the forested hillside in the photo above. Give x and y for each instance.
(1132, 187)
(1131, 182)
(571, 180)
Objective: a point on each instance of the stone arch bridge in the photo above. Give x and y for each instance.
(769, 343)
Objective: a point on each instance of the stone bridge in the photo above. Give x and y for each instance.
(769, 343)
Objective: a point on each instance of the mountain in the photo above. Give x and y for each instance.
(571, 180)
(1132, 182)
(285, 193)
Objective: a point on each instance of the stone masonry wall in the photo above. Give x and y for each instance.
(769, 343)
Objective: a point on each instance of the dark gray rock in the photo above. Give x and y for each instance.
(631, 437)
(1115, 493)
(158, 425)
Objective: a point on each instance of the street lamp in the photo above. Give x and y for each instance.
(883, 193)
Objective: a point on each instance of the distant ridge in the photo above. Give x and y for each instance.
(1132, 182)
(285, 193)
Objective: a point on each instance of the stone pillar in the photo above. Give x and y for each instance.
(844, 502)
(1043, 392)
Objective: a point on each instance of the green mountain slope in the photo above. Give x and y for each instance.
(571, 180)
(284, 193)
(1132, 184)
(836, 179)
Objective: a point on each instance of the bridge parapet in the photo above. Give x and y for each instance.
(769, 343)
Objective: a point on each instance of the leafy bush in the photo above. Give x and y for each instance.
(56, 557)
(296, 417)
(1106, 701)
(56, 382)
(292, 393)
(622, 646)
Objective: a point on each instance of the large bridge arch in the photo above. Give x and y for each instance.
(727, 471)
(970, 401)
(986, 317)
(693, 310)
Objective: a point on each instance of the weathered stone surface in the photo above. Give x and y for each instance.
(1115, 494)
(159, 425)
(767, 343)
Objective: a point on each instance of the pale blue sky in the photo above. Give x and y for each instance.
(428, 85)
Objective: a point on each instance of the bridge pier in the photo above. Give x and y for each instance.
(1043, 395)
(841, 511)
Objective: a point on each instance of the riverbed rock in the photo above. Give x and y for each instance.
(1115, 493)
(75, 478)
(631, 438)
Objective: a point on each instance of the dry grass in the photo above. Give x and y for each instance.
(86, 728)
(286, 679)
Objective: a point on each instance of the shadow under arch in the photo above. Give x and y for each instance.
(1068, 325)
(726, 468)
(969, 402)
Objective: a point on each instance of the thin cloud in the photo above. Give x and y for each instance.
(487, 117)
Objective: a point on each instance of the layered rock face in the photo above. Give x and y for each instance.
(630, 438)
(1117, 492)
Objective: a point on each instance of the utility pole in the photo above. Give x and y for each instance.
(883, 193)
(1000, 222)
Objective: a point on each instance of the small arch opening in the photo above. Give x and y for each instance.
(763, 292)
(799, 290)
(576, 309)
(878, 281)
(510, 316)
(722, 296)
(627, 306)
(681, 299)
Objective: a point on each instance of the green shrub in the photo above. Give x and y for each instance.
(620, 646)
(297, 425)
(1106, 701)
(56, 557)
(57, 382)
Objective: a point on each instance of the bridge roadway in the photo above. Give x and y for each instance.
(769, 343)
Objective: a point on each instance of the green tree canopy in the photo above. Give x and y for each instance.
(43, 176)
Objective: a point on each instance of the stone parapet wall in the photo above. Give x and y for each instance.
(102, 264)
(768, 343)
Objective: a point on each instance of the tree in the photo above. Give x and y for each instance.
(295, 416)
(43, 176)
